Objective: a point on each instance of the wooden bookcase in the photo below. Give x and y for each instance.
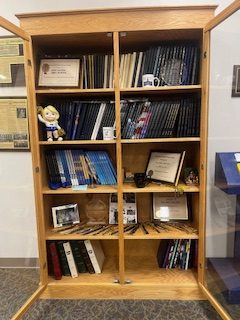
(130, 269)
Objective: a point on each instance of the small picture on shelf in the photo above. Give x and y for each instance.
(129, 208)
(169, 207)
(65, 215)
(191, 177)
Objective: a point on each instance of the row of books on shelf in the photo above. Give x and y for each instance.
(79, 167)
(84, 120)
(171, 63)
(155, 119)
(140, 118)
(71, 258)
(177, 253)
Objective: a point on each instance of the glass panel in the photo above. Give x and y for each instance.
(19, 272)
(223, 189)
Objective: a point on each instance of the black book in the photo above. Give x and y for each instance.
(63, 259)
(194, 76)
(81, 119)
(77, 254)
(161, 253)
(85, 256)
(85, 126)
(142, 70)
(135, 115)
(70, 109)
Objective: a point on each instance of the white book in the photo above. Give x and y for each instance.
(71, 168)
(122, 57)
(140, 58)
(131, 69)
(111, 72)
(105, 71)
(95, 253)
(70, 259)
(98, 121)
(188, 245)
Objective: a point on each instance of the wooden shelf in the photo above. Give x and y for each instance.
(58, 236)
(146, 270)
(63, 191)
(72, 91)
(175, 234)
(164, 89)
(154, 187)
(76, 142)
(166, 140)
(108, 275)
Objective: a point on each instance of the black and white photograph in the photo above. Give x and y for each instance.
(65, 215)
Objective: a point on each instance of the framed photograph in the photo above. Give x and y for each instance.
(165, 166)
(65, 215)
(236, 81)
(59, 72)
(129, 208)
(167, 207)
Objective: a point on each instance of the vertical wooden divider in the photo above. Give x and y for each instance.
(118, 157)
(35, 151)
(203, 158)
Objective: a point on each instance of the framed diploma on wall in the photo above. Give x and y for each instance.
(59, 73)
(165, 166)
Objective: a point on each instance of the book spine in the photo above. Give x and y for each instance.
(92, 256)
(63, 259)
(55, 261)
(70, 259)
(78, 257)
(85, 256)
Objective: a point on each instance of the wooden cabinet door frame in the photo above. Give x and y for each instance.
(222, 16)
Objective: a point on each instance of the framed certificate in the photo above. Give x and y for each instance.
(165, 166)
(59, 73)
(168, 207)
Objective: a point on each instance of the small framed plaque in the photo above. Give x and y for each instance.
(65, 215)
(165, 166)
(169, 207)
(59, 73)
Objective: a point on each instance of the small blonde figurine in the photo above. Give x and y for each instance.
(49, 116)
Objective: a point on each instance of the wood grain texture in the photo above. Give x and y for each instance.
(5, 24)
(119, 20)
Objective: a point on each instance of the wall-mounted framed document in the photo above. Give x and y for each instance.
(14, 133)
(12, 75)
(59, 73)
(167, 207)
(236, 81)
(165, 166)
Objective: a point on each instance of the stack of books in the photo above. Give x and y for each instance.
(79, 167)
(177, 253)
(69, 258)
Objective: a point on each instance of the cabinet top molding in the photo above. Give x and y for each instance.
(120, 19)
(114, 10)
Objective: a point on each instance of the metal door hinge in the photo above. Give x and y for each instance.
(205, 54)
(29, 62)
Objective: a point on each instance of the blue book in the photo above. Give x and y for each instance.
(107, 161)
(65, 167)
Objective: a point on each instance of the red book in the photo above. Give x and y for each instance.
(55, 261)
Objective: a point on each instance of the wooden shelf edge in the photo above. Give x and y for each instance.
(72, 90)
(76, 142)
(152, 187)
(98, 189)
(167, 140)
(162, 89)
